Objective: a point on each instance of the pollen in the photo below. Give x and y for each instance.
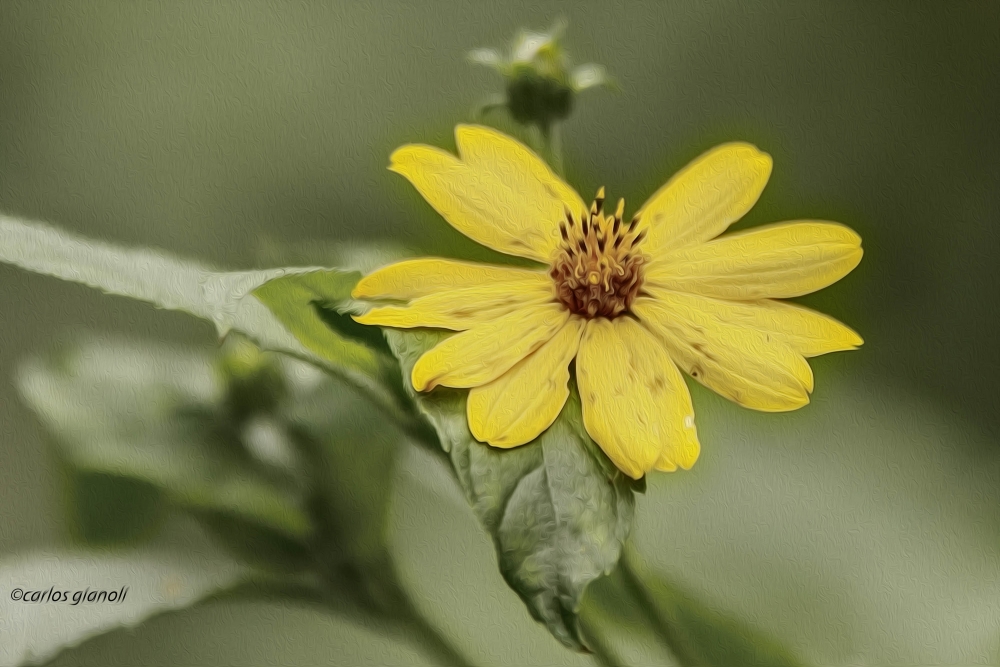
(597, 268)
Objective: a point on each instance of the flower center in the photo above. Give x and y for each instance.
(598, 268)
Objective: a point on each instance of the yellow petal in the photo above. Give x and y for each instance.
(520, 404)
(745, 365)
(414, 278)
(704, 198)
(485, 352)
(497, 193)
(777, 261)
(464, 308)
(635, 403)
(807, 332)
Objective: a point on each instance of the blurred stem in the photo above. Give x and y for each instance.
(590, 621)
(434, 644)
(546, 140)
(406, 617)
(536, 135)
(632, 571)
(555, 148)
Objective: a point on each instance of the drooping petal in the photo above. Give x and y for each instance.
(704, 198)
(806, 331)
(776, 261)
(746, 365)
(520, 404)
(414, 278)
(635, 403)
(487, 351)
(463, 308)
(497, 192)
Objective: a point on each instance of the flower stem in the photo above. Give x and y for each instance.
(601, 652)
(631, 571)
(536, 135)
(546, 140)
(434, 644)
(555, 148)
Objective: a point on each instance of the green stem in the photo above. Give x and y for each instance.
(602, 653)
(536, 136)
(664, 626)
(546, 140)
(427, 637)
(555, 148)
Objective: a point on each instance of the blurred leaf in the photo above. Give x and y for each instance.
(153, 582)
(225, 298)
(136, 507)
(113, 409)
(558, 511)
(635, 605)
(157, 418)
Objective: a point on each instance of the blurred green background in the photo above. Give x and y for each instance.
(863, 529)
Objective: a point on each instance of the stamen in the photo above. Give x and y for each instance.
(597, 269)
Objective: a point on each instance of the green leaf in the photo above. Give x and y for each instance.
(634, 605)
(557, 509)
(113, 409)
(145, 583)
(312, 306)
(225, 298)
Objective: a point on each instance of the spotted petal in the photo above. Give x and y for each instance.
(487, 351)
(497, 192)
(775, 261)
(746, 365)
(704, 198)
(414, 278)
(635, 403)
(520, 404)
(463, 308)
(807, 332)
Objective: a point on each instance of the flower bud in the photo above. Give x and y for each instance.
(540, 82)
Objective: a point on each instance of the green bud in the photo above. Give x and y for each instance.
(540, 81)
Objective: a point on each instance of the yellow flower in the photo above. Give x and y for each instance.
(630, 301)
